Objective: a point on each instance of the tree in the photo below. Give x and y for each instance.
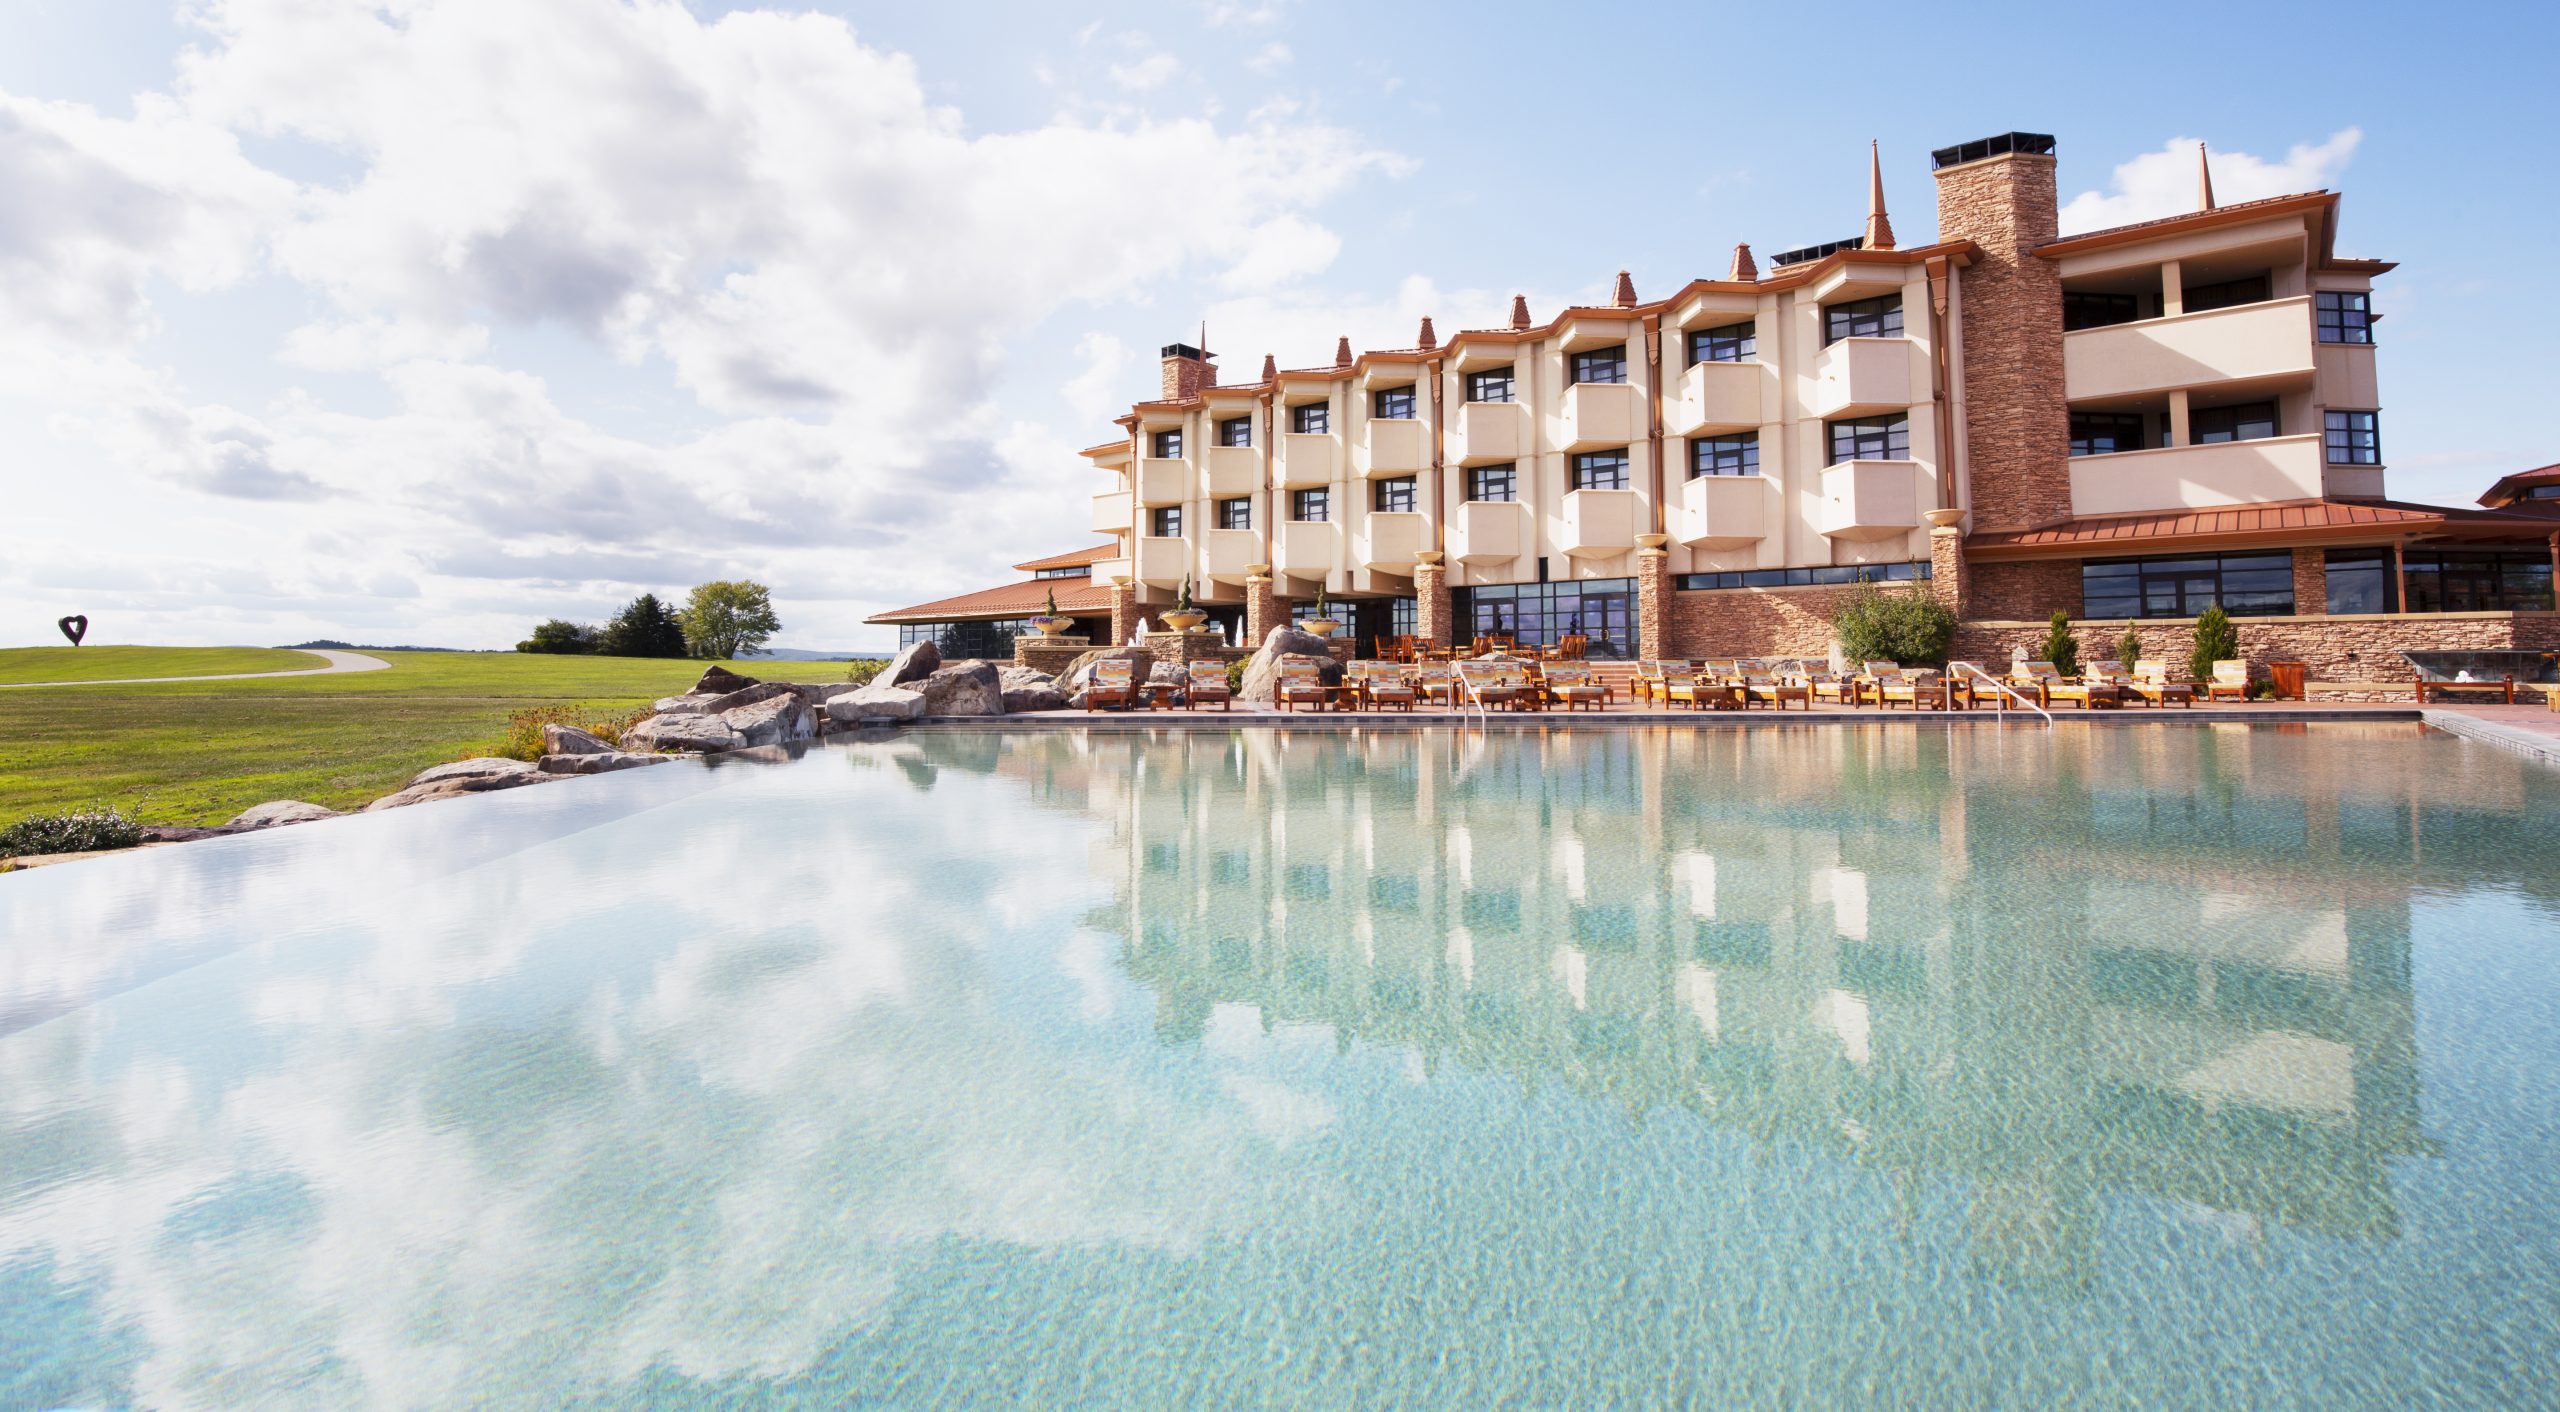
(1911, 626)
(2216, 641)
(2060, 647)
(2129, 647)
(726, 617)
(644, 628)
(560, 635)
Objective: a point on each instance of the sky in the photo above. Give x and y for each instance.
(419, 321)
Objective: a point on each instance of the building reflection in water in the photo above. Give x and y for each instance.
(2170, 964)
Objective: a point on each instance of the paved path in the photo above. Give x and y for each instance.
(338, 662)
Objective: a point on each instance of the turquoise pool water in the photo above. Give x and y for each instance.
(1929, 1066)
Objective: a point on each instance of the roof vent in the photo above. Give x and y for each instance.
(1816, 252)
(1185, 350)
(2038, 144)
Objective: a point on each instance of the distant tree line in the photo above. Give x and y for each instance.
(719, 620)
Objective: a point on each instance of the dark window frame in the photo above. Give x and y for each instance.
(1880, 317)
(1165, 521)
(1869, 439)
(2091, 309)
(1491, 380)
(1505, 474)
(1167, 444)
(2227, 293)
(1816, 576)
(2101, 433)
(1312, 418)
(2247, 585)
(1599, 366)
(2344, 443)
(2343, 315)
(1382, 399)
(1229, 516)
(2468, 580)
(1235, 431)
(1725, 343)
(1072, 571)
(1724, 455)
(1386, 493)
(2216, 426)
(1541, 613)
(1617, 467)
(1320, 500)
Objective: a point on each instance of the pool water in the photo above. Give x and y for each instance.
(1938, 1065)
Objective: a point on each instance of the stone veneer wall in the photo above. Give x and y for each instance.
(2357, 648)
(2018, 592)
(1750, 622)
(1207, 644)
(2017, 432)
(1049, 655)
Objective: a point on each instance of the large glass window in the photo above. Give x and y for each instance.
(1598, 470)
(1724, 456)
(1236, 513)
(1491, 385)
(1542, 613)
(1165, 522)
(1311, 416)
(1817, 576)
(1871, 439)
(2248, 421)
(2360, 581)
(2098, 310)
(956, 641)
(1600, 364)
(1867, 318)
(2354, 439)
(2344, 315)
(2248, 289)
(2099, 433)
(2246, 585)
(1500, 482)
(2477, 580)
(1393, 496)
(1731, 343)
(1071, 571)
(1314, 505)
(1169, 445)
(1392, 403)
(1235, 431)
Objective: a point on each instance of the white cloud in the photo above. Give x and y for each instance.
(1243, 14)
(2163, 183)
(351, 345)
(1100, 392)
(1148, 73)
(1270, 58)
(1279, 251)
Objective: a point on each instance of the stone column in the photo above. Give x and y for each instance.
(1946, 560)
(2310, 582)
(1431, 603)
(1262, 610)
(1124, 612)
(1653, 597)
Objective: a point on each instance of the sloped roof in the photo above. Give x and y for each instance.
(2518, 482)
(1013, 600)
(1074, 559)
(2279, 520)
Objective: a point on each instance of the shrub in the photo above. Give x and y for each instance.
(1235, 677)
(1908, 625)
(2129, 648)
(79, 831)
(559, 635)
(523, 737)
(862, 671)
(2060, 647)
(644, 628)
(2216, 641)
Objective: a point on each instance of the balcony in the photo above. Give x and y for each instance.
(1231, 552)
(1111, 514)
(1489, 531)
(1599, 524)
(1105, 570)
(1719, 399)
(1600, 414)
(1857, 377)
(1489, 432)
(1870, 499)
(2196, 477)
(1163, 482)
(1163, 559)
(2245, 342)
(1306, 459)
(1306, 548)
(1395, 447)
(1234, 471)
(1721, 512)
(1390, 540)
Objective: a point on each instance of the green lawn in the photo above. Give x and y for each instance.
(23, 664)
(199, 752)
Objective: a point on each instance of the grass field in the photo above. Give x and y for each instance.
(199, 752)
(25, 664)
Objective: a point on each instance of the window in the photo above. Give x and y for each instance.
(1393, 496)
(2477, 580)
(2344, 315)
(1598, 470)
(1072, 571)
(1392, 403)
(1491, 385)
(1600, 364)
(1235, 431)
(1730, 344)
(2543, 492)
(1874, 439)
(1724, 456)
(960, 641)
(1165, 523)
(2354, 439)
(2098, 310)
(1312, 505)
(1867, 318)
(1819, 576)
(1311, 416)
(2249, 421)
(2360, 581)
(1236, 513)
(1169, 445)
(2246, 585)
(2100, 433)
(1542, 613)
(2249, 289)
(1494, 482)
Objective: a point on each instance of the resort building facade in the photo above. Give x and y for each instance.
(2124, 425)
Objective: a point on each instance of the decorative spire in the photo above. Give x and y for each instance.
(1744, 271)
(1270, 368)
(2204, 179)
(1342, 351)
(1519, 311)
(1626, 291)
(1879, 230)
(1427, 340)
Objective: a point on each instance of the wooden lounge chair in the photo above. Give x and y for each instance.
(1381, 685)
(1765, 685)
(1680, 683)
(2110, 683)
(1827, 685)
(1301, 681)
(2151, 681)
(1916, 688)
(2230, 679)
(1482, 682)
(2036, 679)
(1432, 682)
(1966, 688)
(1527, 692)
(1203, 682)
(1115, 683)
(1569, 685)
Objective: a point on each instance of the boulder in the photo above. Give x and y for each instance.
(558, 739)
(594, 764)
(772, 720)
(180, 833)
(748, 696)
(448, 780)
(280, 811)
(482, 767)
(876, 703)
(970, 688)
(720, 681)
(1033, 696)
(1262, 674)
(914, 662)
(688, 731)
(689, 704)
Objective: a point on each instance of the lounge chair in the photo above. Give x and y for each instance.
(2151, 681)
(1827, 685)
(2111, 681)
(1115, 683)
(1432, 682)
(1382, 685)
(1918, 687)
(1680, 683)
(1527, 692)
(2230, 679)
(2037, 679)
(1484, 683)
(1764, 684)
(1569, 685)
(1966, 687)
(1205, 681)
(1301, 680)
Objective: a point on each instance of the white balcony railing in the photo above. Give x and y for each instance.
(1234, 471)
(2198, 477)
(1485, 433)
(1870, 499)
(1600, 414)
(1857, 377)
(1307, 459)
(1395, 446)
(2272, 340)
(1111, 513)
(1719, 399)
(1721, 512)
(1306, 548)
(1489, 531)
(1391, 540)
(1163, 481)
(1231, 552)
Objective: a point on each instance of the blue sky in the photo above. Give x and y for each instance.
(421, 321)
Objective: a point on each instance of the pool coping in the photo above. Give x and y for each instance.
(1128, 721)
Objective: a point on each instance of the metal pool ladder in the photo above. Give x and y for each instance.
(1977, 674)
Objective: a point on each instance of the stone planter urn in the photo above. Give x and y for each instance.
(1321, 627)
(1183, 619)
(1053, 627)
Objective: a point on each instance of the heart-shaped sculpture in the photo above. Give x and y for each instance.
(75, 627)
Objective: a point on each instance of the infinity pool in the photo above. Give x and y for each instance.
(1935, 1065)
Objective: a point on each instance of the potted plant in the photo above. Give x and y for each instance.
(1320, 622)
(1184, 617)
(1053, 625)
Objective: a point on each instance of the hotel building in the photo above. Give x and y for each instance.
(2124, 424)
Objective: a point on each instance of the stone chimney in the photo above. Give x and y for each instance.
(1625, 294)
(1745, 270)
(1342, 351)
(1999, 194)
(1270, 368)
(1426, 340)
(1187, 372)
(1519, 311)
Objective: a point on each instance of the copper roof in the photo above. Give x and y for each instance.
(1073, 559)
(1013, 600)
(2278, 522)
(2516, 483)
